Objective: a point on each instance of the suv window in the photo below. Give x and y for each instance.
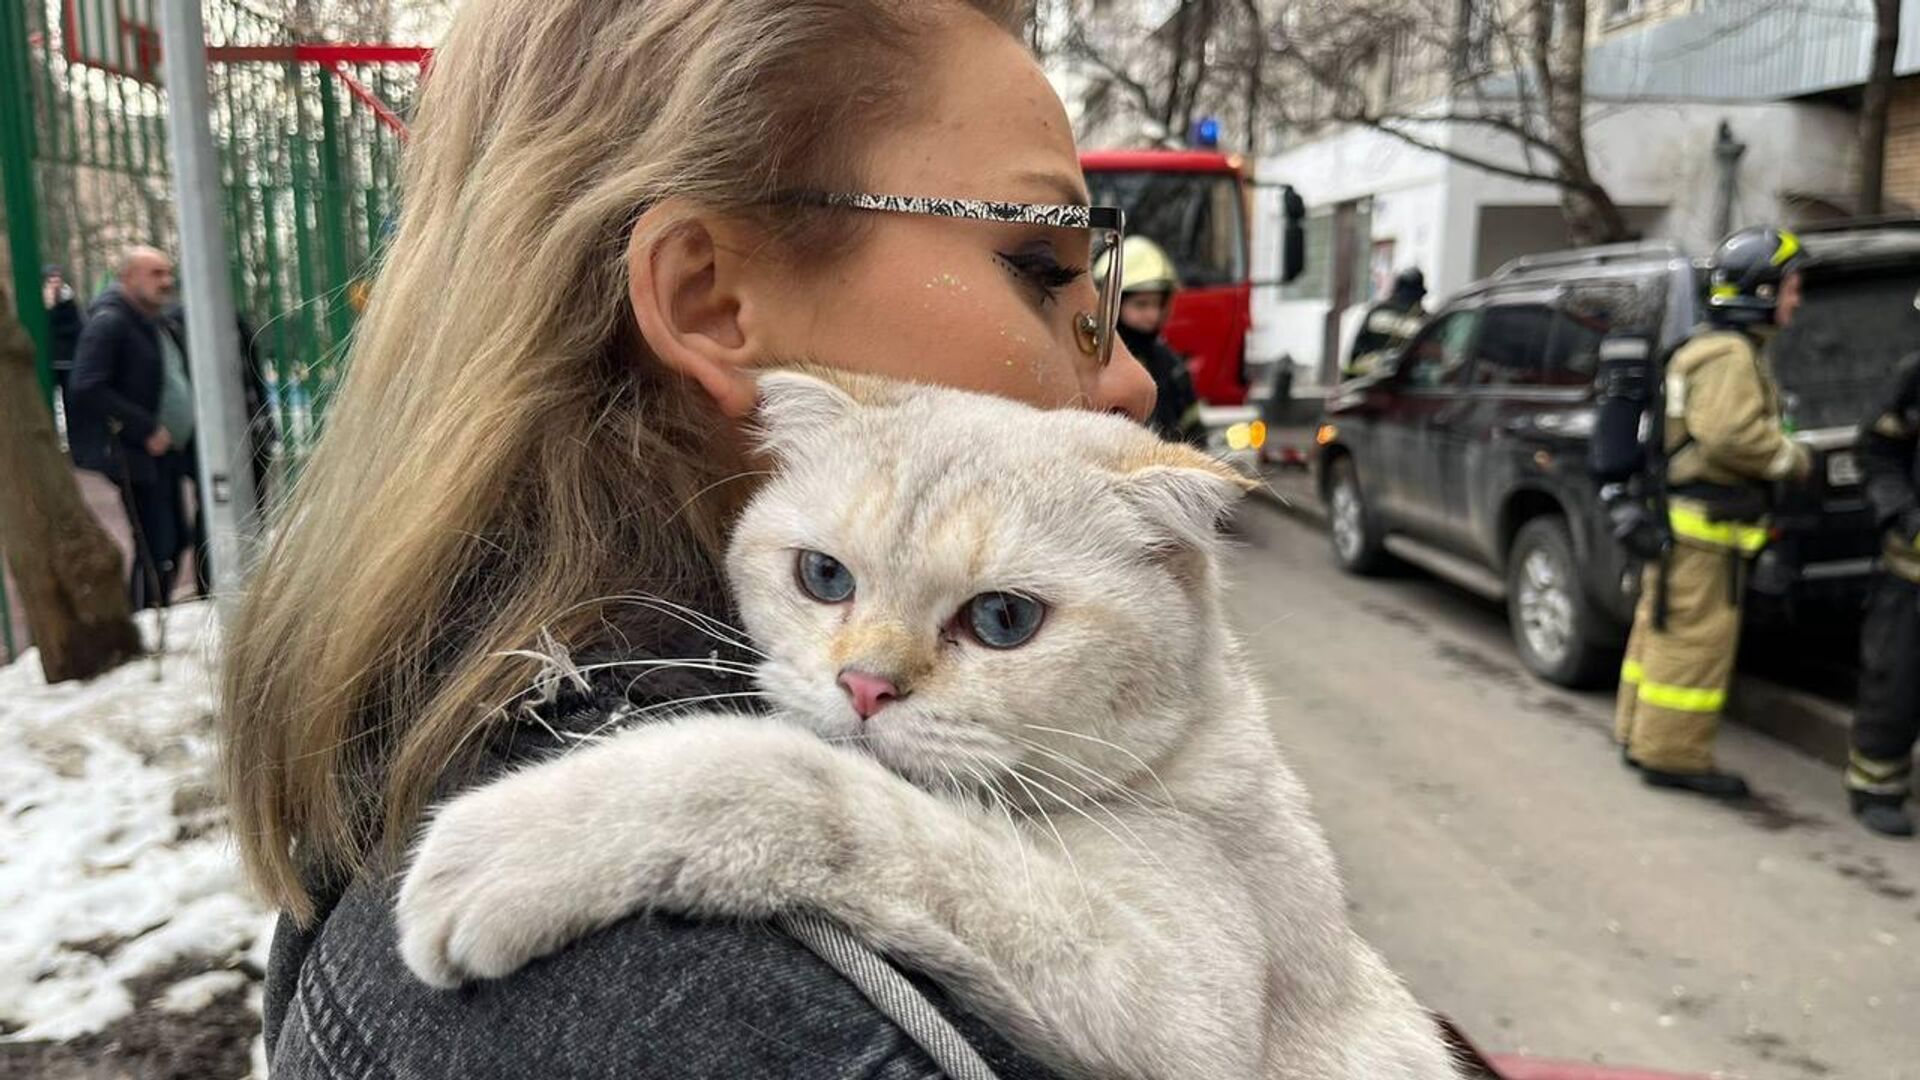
(1587, 313)
(1513, 342)
(1439, 354)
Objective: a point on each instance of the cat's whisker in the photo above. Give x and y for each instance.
(1140, 845)
(1107, 782)
(1005, 805)
(1138, 848)
(1086, 897)
(624, 715)
(1137, 759)
(576, 672)
(719, 630)
(722, 482)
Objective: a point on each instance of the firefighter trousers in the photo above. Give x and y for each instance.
(1888, 718)
(1673, 687)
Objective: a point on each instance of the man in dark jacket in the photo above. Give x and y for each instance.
(1880, 768)
(1389, 323)
(131, 418)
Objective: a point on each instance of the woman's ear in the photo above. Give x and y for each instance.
(686, 289)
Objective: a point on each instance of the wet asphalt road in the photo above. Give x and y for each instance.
(1528, 886)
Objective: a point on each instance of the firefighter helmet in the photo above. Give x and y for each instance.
(1744, 275)
(1144, 267)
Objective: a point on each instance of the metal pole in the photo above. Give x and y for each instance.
(1727, 152)
(22, 201)
(213, 333)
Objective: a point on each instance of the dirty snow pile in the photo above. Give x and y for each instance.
(115, 860)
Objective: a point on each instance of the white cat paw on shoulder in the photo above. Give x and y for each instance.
(477, 901)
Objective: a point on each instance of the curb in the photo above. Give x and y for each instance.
(1813, 725)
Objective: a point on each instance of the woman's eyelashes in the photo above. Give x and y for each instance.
(1040, 269)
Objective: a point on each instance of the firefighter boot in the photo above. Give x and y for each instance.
(1884, 814)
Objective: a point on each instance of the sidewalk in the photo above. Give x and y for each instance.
(1813, 725)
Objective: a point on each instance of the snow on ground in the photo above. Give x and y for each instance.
(115, 860)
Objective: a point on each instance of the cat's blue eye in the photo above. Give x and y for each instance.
(824, 577)
(1004, 620)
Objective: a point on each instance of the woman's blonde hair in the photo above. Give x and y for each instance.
(504, 450)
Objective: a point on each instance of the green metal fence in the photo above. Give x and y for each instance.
(309, 135)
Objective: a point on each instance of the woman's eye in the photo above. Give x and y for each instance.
(1004, 620)
(1042, 271)
(824, 577)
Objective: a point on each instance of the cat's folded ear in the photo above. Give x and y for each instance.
(1182, 494)
(794, 407)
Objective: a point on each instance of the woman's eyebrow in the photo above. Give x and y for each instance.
(1063, 188)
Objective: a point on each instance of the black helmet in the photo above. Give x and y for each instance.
(1744, 275)
(1410, 283)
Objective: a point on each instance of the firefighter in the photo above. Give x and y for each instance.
(1389, 323)
(1148, 280)
(1880, 768)
(1725, 446)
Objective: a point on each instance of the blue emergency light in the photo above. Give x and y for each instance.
(1206, 133)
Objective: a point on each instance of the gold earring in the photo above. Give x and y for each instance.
(1086, 330)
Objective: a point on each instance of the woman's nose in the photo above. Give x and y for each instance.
(1124, 386)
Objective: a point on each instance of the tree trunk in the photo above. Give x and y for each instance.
(1874, 106)
(65, 568)
(1592, 217)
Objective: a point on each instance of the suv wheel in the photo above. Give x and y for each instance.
(1549, 610)
(1356, 536)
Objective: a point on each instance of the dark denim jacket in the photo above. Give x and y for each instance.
(649, 997)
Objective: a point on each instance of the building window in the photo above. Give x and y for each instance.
(1619, 10)
(1337, 268)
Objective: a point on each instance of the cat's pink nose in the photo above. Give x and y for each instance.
(869, 693)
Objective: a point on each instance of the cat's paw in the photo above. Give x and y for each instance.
(479, 900)
(736, 818)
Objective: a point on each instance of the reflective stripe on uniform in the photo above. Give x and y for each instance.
(1664, 696)
(1682, 698)
(1877, 777)
(1694, 525)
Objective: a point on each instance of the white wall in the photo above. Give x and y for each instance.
(1655, 159)
(1409, 193)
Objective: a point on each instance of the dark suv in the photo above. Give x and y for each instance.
(1468, 454)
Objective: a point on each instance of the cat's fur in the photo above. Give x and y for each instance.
(1145, 894)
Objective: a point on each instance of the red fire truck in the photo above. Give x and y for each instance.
(1196, 204)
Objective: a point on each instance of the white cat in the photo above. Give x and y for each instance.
(1013, 746)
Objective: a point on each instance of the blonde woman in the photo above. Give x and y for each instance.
(616, 210)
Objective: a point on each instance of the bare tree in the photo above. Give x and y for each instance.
(1876, 104)
(65, 567)
(1513, 71)
(1148, 73)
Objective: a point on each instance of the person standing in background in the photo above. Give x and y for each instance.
(1148, 280)
(63, 324)
(1389, 323)
(131, 416)
(1726, 445)
(1887, 722)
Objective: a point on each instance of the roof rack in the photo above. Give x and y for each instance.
(1607, 254)
(1886, 221)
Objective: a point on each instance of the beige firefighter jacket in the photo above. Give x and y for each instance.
(1723, 416)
